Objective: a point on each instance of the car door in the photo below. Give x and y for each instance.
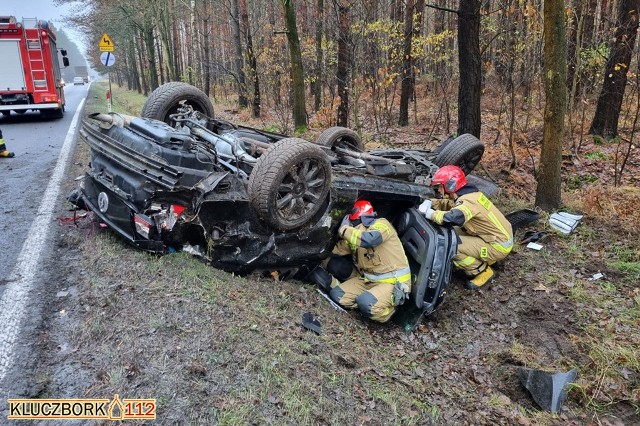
(430, 249)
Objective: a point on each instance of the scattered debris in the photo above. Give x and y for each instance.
(533, 237)
(310, 322)
(547, 389)
(564, 222)
(521, 218)
(534, 246)
(334, 304)
(596, 277)
(541, 287)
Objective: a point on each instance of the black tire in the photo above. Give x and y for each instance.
(465, 151)
(166, 100)
(341, 137)
(289, 183)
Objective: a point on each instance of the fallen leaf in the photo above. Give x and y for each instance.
(541, 287)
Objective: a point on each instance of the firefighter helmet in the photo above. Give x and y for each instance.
(450, 177)
(361, 208)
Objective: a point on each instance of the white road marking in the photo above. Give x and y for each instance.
(17, 292)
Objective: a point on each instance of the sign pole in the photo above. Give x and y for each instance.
(110, 92)
(107, 58)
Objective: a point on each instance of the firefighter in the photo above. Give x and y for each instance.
(4, 153)
(485, 234)
(382, 278)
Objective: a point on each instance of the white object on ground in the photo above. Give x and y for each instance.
(564, 222)
(534, 246)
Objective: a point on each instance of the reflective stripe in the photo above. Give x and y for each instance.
(503, 247)
(464, 262)
(438, 215)
(467, 213)
(498, 224)
(400, 275)
(353, 241)
(379, 226)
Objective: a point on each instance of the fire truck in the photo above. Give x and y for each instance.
(30, 76)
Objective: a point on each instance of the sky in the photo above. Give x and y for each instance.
(44, 10)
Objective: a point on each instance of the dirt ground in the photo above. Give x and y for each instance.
(214, 348)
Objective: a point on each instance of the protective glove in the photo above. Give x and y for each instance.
(426, 205)
(343, 225)
(429, 214)
(425, 209)
(400, 293)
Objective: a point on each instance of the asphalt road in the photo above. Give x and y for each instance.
(29, 193)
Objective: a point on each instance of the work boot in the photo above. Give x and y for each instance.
(483, 278)
(3, 150)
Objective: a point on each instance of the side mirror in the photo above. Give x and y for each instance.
(65, 61)
(64, 52)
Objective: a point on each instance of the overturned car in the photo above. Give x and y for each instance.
(251, 200)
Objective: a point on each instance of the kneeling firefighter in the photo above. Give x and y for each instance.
(485, 234)
(382, 279)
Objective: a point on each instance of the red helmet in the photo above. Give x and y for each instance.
(361, 208)
(450, 177)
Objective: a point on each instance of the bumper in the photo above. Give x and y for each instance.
(117, 213)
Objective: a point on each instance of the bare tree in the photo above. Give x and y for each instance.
(605, 120)
(297, 72)
(470, 66)
(548, 195)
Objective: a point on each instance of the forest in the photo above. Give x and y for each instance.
(411, 68)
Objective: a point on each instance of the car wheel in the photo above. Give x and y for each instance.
(341, 137)
(289, 183)
(166, 100)
(465, 151)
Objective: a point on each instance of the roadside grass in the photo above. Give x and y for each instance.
(123, 101)
(215, 348)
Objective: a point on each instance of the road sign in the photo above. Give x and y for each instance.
(106, 45)
(107, 59)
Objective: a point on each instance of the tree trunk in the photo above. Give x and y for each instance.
(151, 55)
(605, 120)
(141, 64)
(407, 81)
(470, 67)
(342, 72)
(238, 59)
(297, 71)
(207, 57)
(317, 84)
(548, 194)
(251, 58)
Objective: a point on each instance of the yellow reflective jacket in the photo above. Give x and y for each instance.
(477, 215)
(377, 251)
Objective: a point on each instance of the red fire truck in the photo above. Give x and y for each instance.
(29, 68)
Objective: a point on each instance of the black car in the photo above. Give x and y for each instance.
(251, 200)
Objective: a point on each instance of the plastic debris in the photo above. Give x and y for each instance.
(334, 304)
(547, 389)
(310, 322)
(534, 246)
(565, 222)
(596, 277)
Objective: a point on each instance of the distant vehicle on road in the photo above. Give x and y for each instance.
(78, 80)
